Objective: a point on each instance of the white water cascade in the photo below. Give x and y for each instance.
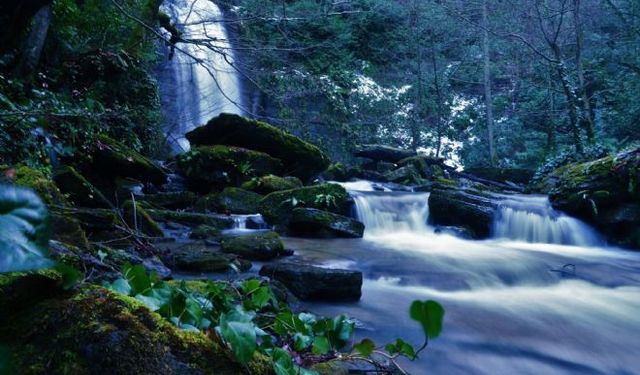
(193, 91)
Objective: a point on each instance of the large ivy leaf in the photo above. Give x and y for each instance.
(429, 314)
(24, 230)
(237, 328)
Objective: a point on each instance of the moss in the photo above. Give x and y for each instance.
(95, 330)
(237, 201)
(171, 200)
(336, 172)
(259, 246)
(203, 232)
(331, 368)
(80, 191)
(117, 160)
(318, 223)
(138, 218)
(300, 158)
(271, 183)
(192, 218)
(67, 229)
(276, 207)
(91, 219)
(43, 186)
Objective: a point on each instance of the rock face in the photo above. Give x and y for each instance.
(317, 223)
(469, 209)
(276, 207)
(314, 283)
(270, 183)
(207, 167)
(300, 158)
(603, 192)
(114, 159)
(383, 153)
(258, 246)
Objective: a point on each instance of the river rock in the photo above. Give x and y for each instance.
(383, 153)
(604, 192)
(173, 200)
(470, 209)
(78, 190)
(257, 246)
(276, 208)
(192, 218)
(231, 200)
(315, 283)
(300, 158)
(270, 183)
(139, 219)
(407, 175)
(207, 167)
(201, 258)
(317, 223)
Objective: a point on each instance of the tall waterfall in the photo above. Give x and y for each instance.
(532, 219)
(193, 92)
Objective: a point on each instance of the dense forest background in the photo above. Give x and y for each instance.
(504, 83)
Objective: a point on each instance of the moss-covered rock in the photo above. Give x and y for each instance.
(231, 200)
(300, 158)
(205, 232)
(171, 200)
(41, 184)
(96, 331)
(79, 191)
(276, 207)
(200, 258)
(192, 218)
(67, 229)
(383, 153)
(258, 246)
(317, 223)
(408, 175)
(139, 219)
(207, 167)
(516, 175)
(270, 183)
(336, 172)
(113, 159)
(468, 209)
(92, 220)
(605, 192)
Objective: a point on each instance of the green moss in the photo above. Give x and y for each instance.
(203, 232)
(80, 191)
(276, 207)
(117, 160)
(237, 201)
(192, 218)
(67, 229)
(170, 200)
(336, 172)
(259, 246)
(43, 186)
(271, 183)
(138, 218)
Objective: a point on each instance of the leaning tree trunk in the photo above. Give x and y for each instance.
(488, 100)
(32, 48)
(587, 119)
(572, 100)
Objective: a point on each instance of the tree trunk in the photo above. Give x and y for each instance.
(35, 41)
(587, 119)
(487, 83)
(436, 84)
(572, 101)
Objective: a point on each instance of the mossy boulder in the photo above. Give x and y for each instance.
(276, 207)
(92, 220)
(204, 232)
(78, 190)
(309, 282)
(139, 219)
(336, 172)
(270, 183)
(408, 175)
(113, 159)
(200, 258)
(96, 331)
(604, 192)
(171, 200)
(258, 246)
(207, 167)
(317, 223)
(383, 153)
(300, 158)
(40, 183)
(192, 218)
(231, 200)
(469, 209)
(67, 229)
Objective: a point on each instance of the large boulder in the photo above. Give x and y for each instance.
(603, 192)
(113, 159)
(383, 153)
(276, 208)
(192, 218)
(317, 223)
(207, 167)
(408, 175)
(200, 258)
(96, 331)
(300, 158)
(315, 283)
(469, 209)
(231, 200)
(257, 246)
(79, 191)
(270, 183)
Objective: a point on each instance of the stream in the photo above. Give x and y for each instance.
(546, 296)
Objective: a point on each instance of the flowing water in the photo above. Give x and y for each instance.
(545, 296)
(198, 81)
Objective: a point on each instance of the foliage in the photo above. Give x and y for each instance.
(326, 200)
(567, 157)
(249, 318)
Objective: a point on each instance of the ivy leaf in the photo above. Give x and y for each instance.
(138, 279)
(24, 230)
(239, 331)
(429, 314)
(70, 275)
(121, 286)
(401, 347)
(282, 362)
(320, 345)
(365, 347)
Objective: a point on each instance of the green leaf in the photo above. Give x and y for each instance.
(153, 303)
(238, 330)
(138, 279)
(70, 275)
(282, 362)
(401, 347)
(301, 341)
(365, 347)
(429, 314)
(320, 345)
(121, 286)
(24, 230)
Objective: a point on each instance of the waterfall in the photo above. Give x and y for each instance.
(192, 93)
(384, 213)
(532, 219)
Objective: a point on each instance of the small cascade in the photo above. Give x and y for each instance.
(248, 222)
(532, 219)
(191, 92)
(384, 213)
